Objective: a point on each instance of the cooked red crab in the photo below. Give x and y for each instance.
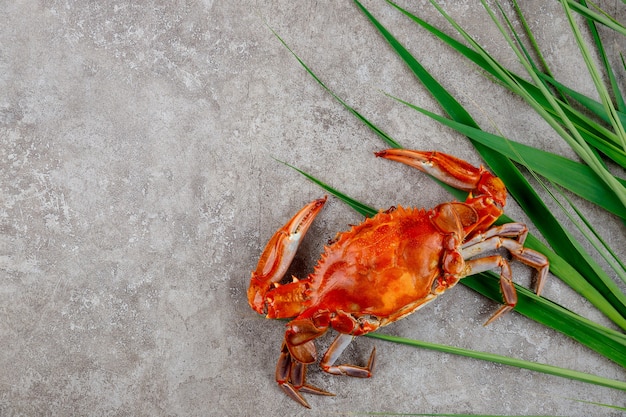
(385, 268)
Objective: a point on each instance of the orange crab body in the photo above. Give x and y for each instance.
(380, 267)
(385, 268)
(377, 268)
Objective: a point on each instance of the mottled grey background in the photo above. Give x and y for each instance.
(138, 187)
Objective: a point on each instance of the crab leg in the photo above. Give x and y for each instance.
(527, 256)
(291, 377)
(511, 230)
(334, 351)
(278, 254)
(509, 294)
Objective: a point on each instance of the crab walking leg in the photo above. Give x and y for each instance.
(336, 349)
(527, 256)
(279, 252)
(511, 230)
(509, 294)
(291, 378)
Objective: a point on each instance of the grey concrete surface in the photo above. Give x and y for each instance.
(139, 186)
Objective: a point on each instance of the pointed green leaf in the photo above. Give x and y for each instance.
(574, 176)
(605, 61)
(597, 17)
(506, 360)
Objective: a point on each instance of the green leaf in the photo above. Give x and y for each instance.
(597, 78)
(605, 61)
(530, 36)
(359, 207)
(574, 176)
(590, 104)
(596, 135)
(615, 407)
(603, 19)
(505, 360)
(358, 115)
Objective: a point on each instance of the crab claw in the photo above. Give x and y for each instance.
(451, 170)
(279, 252)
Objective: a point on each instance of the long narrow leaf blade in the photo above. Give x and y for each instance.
(359, 207)
(358, 115)
(597, 17)
(619, 100)
(574, 176)
(506, 360)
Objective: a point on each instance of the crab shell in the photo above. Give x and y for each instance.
(377, 272)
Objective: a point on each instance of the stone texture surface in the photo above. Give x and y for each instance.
(139, 185)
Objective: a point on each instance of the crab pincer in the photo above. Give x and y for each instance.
(279, 253)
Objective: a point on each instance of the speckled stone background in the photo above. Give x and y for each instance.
(139, 186)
